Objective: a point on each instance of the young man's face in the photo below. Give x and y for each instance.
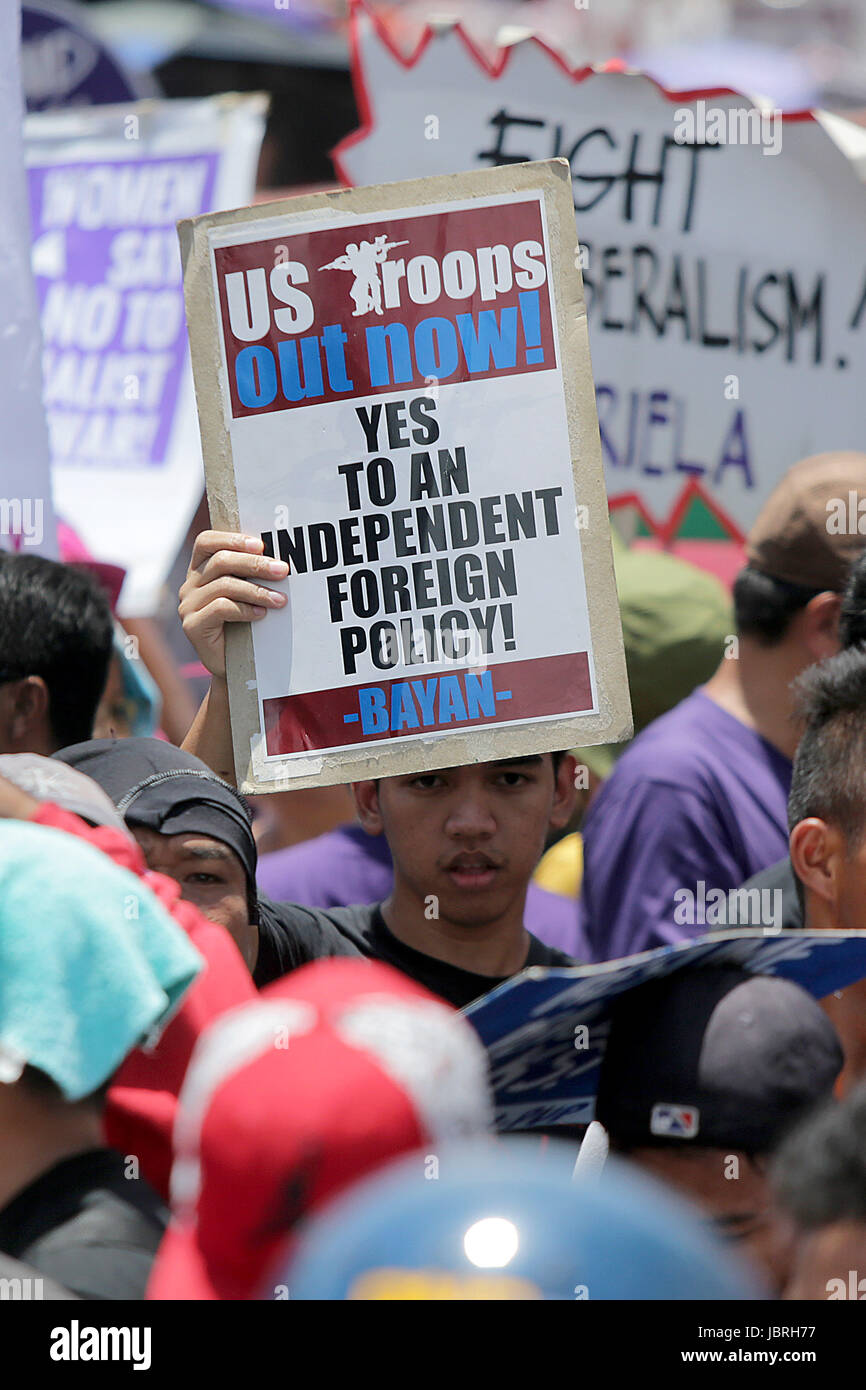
(210, 875)
(469, 837)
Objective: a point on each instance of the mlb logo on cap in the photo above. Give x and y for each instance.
(681, 1121)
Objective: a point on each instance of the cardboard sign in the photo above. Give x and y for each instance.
(394, 390)
(107, 186)
(722, 255)
(546, 1030)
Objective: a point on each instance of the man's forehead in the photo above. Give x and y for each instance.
(189, 843)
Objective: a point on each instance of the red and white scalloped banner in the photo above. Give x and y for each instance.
(724, 253)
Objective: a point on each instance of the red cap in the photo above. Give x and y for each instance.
(333, 1071)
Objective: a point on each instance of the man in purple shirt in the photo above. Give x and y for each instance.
(348, 865)
(698, 803)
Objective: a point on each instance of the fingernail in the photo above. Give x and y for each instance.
(253, 543)
(278, 568)
(259, 612)
(280, 599)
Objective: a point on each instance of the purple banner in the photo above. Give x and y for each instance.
(108, 275)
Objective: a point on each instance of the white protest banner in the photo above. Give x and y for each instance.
(107, 187)
(722, 255)
(394, 390)
(26, 510)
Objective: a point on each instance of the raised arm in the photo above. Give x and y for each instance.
(224, 584)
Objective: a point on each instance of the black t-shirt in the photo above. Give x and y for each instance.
(291, 935)
(88, 1226)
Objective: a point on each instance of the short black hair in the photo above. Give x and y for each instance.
(829, 776)
(852, 615)
(55, 622)
(765, 606)
(819, 1173)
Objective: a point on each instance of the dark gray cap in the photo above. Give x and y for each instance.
(715, 1057)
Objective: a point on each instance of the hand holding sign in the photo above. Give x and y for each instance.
(220, 588)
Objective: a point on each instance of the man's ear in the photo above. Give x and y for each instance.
(816, 851)
(27, 715)
(564, 794)
(821, 625)
(366, 796)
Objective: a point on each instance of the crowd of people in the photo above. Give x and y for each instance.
(234, 1076)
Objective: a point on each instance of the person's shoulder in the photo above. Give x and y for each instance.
(356, 922)
(679, 750)
(681, 729)
(300, 919)
(291, 934)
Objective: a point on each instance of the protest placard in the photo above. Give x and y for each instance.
(722, 256)
(26, 510)
(546, 1030)
(394, 391)
(107, 186)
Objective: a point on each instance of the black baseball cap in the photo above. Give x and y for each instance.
(714, 1057)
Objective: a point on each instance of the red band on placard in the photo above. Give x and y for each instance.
(444, 702)
(482, 309)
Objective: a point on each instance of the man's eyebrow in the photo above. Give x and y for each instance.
(211, 852)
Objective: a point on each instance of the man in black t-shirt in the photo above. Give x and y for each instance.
(464, 840)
